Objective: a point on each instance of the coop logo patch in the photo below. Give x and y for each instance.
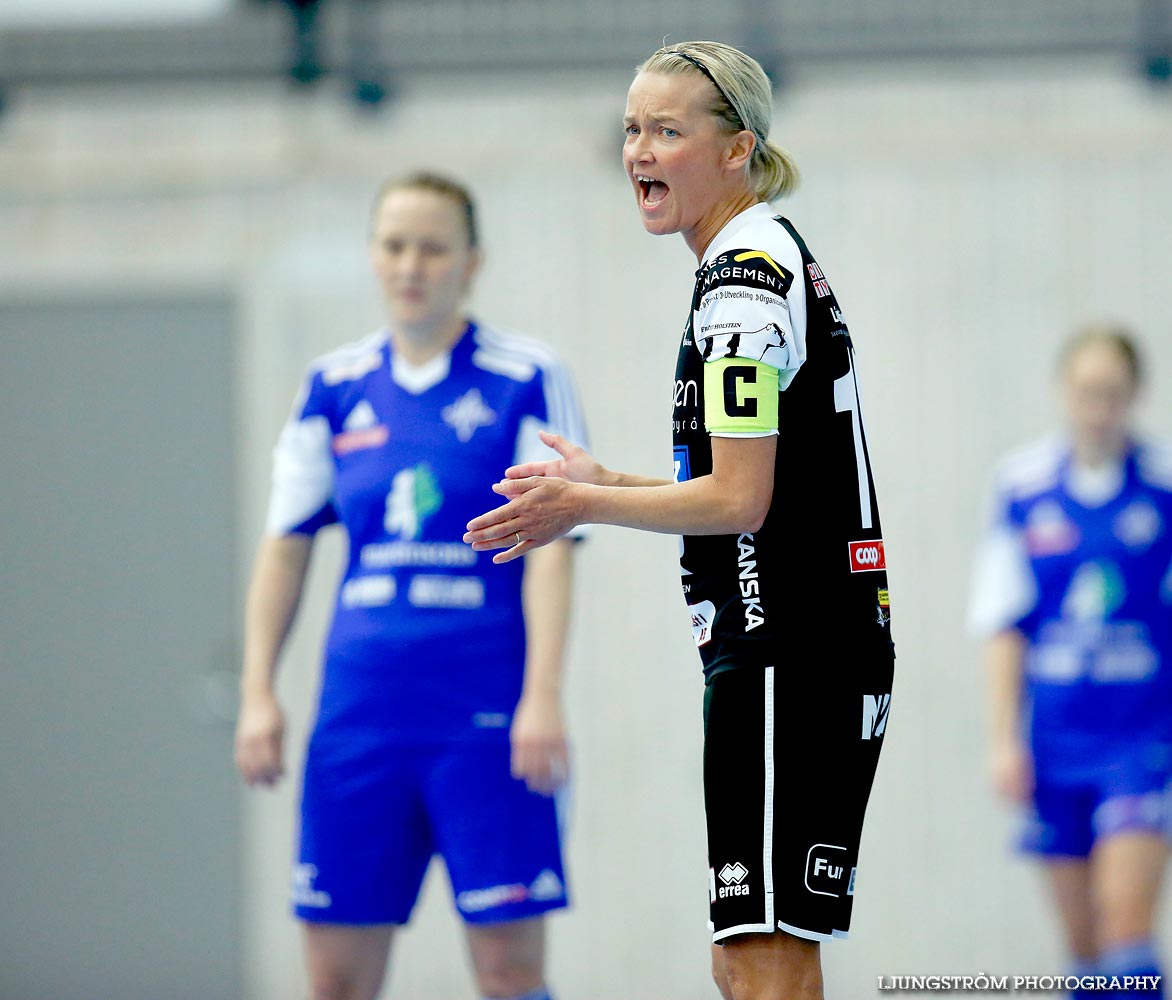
(867, 557)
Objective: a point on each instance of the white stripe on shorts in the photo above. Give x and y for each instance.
(767, 925)
(767, 834)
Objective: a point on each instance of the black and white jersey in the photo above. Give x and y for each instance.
(766, 351)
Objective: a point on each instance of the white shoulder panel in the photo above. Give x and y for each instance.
(1154, 460)
(303, 474)
(351, 361)
(1031, 469)
(519, 357)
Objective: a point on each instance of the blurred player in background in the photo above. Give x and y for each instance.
(783, 565)
(1073, 590)
(439, 727)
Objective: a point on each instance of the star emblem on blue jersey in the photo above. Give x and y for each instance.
(467, 414)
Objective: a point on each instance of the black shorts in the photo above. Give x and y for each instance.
(789, 758)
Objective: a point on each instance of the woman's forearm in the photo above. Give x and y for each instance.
(732, 499)
(274, 594)
(546, 590)
(1005, 657)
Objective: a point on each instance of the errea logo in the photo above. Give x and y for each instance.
(733, 876)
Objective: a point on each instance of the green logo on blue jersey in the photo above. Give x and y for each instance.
(1095, 593)
(415, 495)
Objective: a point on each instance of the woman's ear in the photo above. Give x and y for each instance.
(740, 149)
(472, 268)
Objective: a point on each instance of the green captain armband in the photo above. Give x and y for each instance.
(740, 397)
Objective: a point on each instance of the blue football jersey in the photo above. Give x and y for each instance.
(1081, 565)
(427, 640)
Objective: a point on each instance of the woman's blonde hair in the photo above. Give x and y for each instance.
(743, 100)
(425, 180)
(1114, 335)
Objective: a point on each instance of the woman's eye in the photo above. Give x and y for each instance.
(632, 130)
(670, 133)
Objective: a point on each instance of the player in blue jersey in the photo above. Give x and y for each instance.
(439, 727)
(782, 564)
(1073, 590)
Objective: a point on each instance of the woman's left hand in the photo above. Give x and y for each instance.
(538, 738)
(539, 510)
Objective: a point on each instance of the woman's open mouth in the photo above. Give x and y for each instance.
(652, 192)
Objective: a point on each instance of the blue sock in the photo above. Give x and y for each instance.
(542, 993)
(1135, 958)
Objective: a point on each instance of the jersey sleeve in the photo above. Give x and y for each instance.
(301, 499)
(749, 324)
(553, 407)
(1004, 591)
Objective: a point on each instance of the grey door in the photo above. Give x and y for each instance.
(118, 805)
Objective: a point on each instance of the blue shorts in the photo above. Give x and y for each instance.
(372, 817)
(1073, 810)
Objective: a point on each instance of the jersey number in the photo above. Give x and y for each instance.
(846, 400)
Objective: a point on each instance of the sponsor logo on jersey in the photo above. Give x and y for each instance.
(746, 268)
(491, 720)
(733, 876)
(415, 495)
(875, 711)
(547, 886)
(821, 286)
(1096, 592)
(368, 592)
(1048, 531)
(432, 590)
(826, 871)
(683, 464)
(467, 414)
(850, 887)
(1138, 525)
(868, 556)
(360, 429)
(348, 441)
(883, 605)
(685, 394)
(303, 891)
(750, 585)
(702, 616)
(383, 555)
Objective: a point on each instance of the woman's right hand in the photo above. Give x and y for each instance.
(260, 738)
(575, 464)
(1012, 771)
